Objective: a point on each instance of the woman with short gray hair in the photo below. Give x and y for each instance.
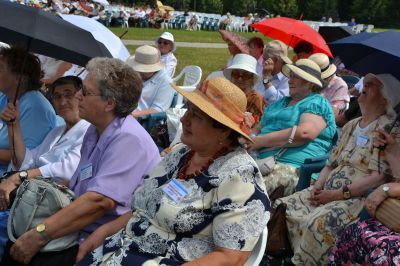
(118, 82)
(108, 172)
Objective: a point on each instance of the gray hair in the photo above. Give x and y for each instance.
(116, 81)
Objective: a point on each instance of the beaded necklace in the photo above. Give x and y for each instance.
(182, 171)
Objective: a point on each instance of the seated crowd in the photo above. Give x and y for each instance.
(207, 201)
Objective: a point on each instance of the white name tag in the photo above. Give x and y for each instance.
(86, 172)
(362, 140)
(175, 190)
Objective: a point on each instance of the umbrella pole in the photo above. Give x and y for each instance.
(123, 34)
(20, 76)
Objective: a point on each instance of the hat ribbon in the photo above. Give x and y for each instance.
(227, 107)
(311, 71)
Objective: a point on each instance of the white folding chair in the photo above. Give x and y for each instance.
(191, 78)
(258, 251)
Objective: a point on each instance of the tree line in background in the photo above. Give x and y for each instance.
(381, 13)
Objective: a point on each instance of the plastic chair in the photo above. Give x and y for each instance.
(258, 251)
(191, 78)
(350, 80)
(311, 166)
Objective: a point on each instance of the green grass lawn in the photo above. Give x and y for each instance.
(180, 35)
(208, 59)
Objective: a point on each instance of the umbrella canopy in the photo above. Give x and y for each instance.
(102, 2)
(44, 33)
(101, 34)
(239, 41)
(292, 31)
(331, 34)
(370, 52)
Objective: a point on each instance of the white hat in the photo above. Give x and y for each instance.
(391, 87)
(322, 60)
(146, 59)
(243, 62)
(169, 37)
(277, 48)
(305, 69)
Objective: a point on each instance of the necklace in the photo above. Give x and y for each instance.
(182, 171)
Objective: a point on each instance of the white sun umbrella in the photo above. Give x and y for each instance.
(102, 2)
(102, 34)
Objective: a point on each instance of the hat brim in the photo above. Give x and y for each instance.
(329, 72)
(286, 59)
(286, 69)
(201, 101)
(139, 67)
(228, 72)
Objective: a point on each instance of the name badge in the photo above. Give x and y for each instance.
(86, 172)
(362, 140)
(175, 190)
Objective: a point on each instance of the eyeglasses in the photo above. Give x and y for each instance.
(67, 95)
(163, 42)
(87, 93)
(241, 74)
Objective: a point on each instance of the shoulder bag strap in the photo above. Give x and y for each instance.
(283, 149)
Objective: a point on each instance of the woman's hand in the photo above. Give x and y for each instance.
(6, 187)
(321, 196)
(255, 145)
(382, 139)
(91, 243)
(27, 246)
(10, 114)
(374, 199)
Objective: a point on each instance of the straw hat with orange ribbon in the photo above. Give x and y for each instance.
(224, 102)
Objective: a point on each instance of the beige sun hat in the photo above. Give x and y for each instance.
(322, 60)
(223, 101)
(305, 69)
(277, 48)
(146, 59)
(243, 62)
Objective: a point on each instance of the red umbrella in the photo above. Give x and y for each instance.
(292, 31)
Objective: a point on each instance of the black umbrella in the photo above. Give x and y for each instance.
(44, 33)
(331, 34)
(370, 52)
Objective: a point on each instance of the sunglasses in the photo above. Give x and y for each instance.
(163, 42)
(241, 74)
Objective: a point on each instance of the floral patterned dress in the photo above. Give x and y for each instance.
(314, 230)
(226, 206)
(367, 243)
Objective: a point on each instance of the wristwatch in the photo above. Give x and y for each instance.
(386, 189)
(41, 229)
(346, 192)
(23, 175)
(266, 81)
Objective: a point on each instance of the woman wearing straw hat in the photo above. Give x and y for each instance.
(243, 74)
(204, 203)
(167, 47)
(336, 90)
(307, 109)
(157, 93)
(316, 215)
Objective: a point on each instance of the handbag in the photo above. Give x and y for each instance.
(388, 213)
(37, 199)
(267, 165)
(278, 244)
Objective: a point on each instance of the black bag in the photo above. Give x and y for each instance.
(278, 244)
(159, 134)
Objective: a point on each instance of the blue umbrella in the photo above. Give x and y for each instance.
(370, 52)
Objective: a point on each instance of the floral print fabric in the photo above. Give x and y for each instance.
(314, 230)
(367, 243)
(226, 206)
